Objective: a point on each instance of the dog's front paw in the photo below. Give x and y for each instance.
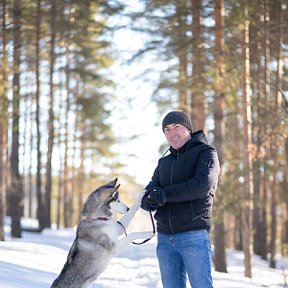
(147, 234)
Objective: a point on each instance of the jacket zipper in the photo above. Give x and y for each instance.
(171, 174)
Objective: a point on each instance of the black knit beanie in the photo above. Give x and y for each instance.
(177, 117)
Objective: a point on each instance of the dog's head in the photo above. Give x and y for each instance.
(104, 201)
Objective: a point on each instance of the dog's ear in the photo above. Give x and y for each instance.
(108, 185)
(116, 188)
(111, 183)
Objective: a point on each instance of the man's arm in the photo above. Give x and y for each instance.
(202, 184)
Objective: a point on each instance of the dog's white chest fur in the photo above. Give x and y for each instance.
(109, 228)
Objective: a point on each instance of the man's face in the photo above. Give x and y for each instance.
(177, 135)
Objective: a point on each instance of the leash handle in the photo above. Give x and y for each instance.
(146, 240)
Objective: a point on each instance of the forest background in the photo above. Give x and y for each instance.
(223, 62)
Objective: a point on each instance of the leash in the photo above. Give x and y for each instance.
(146, 240)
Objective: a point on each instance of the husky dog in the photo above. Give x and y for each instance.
(97, 237)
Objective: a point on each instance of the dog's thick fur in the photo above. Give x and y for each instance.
(97, 237)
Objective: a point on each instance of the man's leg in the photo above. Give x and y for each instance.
(173, 274)
(195, 249)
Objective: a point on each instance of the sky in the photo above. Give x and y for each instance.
(134, 114)
(35, 260)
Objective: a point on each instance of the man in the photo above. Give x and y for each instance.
(181, 191)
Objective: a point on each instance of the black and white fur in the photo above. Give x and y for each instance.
(97, 237)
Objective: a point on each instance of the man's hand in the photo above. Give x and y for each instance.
(146, 205)
(157, 196)
(153, 199)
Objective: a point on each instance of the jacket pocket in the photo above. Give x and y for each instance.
(181, 213)
(192, 210)
(194, 215)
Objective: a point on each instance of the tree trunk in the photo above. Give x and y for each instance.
(263, 227)
(258, 108)
(26, 116)
(266, 91)
(16, 187)
(182, 57)
(247, 157)
(81, 174)
(198, 100)
(68, 195)
(3, 121)
(39, 193)
(276, 110)
(273, 208)
(220, 255)
(257, 221)
(238, 233)
(60, 195)
(66, 181)
(48, 186)
(30, 168)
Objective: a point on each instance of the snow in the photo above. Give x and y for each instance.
(36, 259)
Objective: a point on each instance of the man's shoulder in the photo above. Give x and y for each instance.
(202, 150)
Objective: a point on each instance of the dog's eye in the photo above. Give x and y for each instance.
(115, 196)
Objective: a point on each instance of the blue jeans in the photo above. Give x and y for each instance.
(185, 253)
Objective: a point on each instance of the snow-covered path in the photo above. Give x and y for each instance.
(36, 260)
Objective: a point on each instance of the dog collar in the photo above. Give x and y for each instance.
(102, 219)
(98, 219)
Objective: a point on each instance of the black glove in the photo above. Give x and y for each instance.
(146, 205)
(153, 199)
(156, 197)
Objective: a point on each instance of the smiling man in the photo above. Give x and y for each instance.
(181, 192)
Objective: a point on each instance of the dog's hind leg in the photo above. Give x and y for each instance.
(125, 220)
(125, 241)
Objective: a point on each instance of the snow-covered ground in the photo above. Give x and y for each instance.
(36, 259)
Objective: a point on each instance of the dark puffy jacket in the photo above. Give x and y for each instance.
(189, 177)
